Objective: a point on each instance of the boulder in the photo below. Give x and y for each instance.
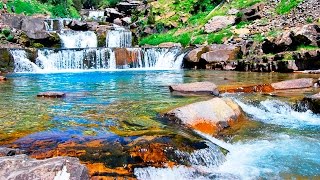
(308, 34)
(9, 151)
(252, 13)
(112, 14)
(78, 25)
(221, 52)
(23, 167)
(92, 26)
(219, 22)
(312, 102)
(2, 78)
(51, 94)
(195, 54)
(117, 21)
(170, 44)
(207, 116)
(35, 28)
(293, 84)
(13, 21)
(127, 7)
(196, 87)
(126, 20)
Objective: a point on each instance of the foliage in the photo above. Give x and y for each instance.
(199, 40)
(37, 45)
(309, 20)
(258, 38)
(6, 32)
(10, 38)
(157, 39)
(285, 6)
(219, 37)
(287, 56)
(307, 47)
(242, 24)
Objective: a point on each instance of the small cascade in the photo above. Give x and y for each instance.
(156, 58)
(279, 113)
(22, 63)
(95, 14)
(78, 39)
(119, 38)
(56, 24)
(75, 59)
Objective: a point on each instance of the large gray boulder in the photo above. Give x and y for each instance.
(196, 87)
(293, 84)
(23, 167)
(219, 22)
(207, 116)
(35, 28)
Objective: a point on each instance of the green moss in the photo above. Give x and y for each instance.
(242, 24)
(102, 40)
(307, 47)
(199, 40)
(285, 6)
(287, 56)
(37, 45)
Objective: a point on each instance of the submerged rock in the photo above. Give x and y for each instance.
(207, 116)
(4, 151)
(293, 84)
(23, 167)
(196, 87)
(51, 94)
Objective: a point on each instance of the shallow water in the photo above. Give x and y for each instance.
(122, 106)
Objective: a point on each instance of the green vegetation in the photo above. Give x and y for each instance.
(258, 38)
(219, 36)
(309, 20)
(308, 47)
(285, 6)
(156, 39)
(6, 34)
(287, 56)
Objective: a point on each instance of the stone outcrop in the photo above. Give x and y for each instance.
(207, 116)
(219, 22)
(196, 87)
(252, 13)
(23, 167)
(78, 25)
(51, 94)
(293, 84)
(213, 56)
(6, 61)
(9, 151)
(289, 40)
(34, 28)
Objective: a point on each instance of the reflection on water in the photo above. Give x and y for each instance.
(122, 106)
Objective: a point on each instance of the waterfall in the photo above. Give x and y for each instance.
(55, 24)
(156, 58)
(78, 39)
(95, 14)
(52, 60)
(22, 63)
(75, 59)
(119, 38)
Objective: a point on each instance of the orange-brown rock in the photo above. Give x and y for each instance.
(153, 153)
(248, 89)
(125, 57)
(207, 116)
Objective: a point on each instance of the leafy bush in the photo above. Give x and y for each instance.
(6, 32)
(10, 38)
(258, 38)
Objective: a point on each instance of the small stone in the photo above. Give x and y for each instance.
(51, 94)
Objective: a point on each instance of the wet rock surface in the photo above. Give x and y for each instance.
(293, 84)
(219, 22)
(207, 116)
(312, 102)
(51, 94)
(2, 78)
(49, 169)
(197, 87)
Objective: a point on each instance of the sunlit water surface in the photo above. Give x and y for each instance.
(284, 144)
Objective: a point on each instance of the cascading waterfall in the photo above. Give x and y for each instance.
(52, 60)
(75, 59)
(22, 63)
(56, 24)
(119, 38)
(78, 39)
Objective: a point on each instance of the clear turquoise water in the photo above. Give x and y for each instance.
(286, 144)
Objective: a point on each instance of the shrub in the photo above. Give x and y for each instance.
(6, 32)
(285, 6)
(10, 38)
